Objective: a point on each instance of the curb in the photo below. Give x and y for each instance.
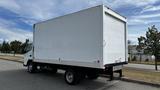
(12, 60)
(140, 82)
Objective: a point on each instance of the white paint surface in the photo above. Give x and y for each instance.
(78, 39)
(114, 39)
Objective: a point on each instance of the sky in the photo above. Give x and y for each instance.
(18, 16)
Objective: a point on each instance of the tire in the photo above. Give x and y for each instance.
(72, 77)
(31, 67)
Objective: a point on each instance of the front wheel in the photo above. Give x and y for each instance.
(31, 68)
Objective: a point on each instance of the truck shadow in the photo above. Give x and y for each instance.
(20, 79)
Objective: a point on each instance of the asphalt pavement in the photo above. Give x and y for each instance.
(13, 76)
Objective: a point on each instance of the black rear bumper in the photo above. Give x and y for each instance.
(116, 64)
(109, 69)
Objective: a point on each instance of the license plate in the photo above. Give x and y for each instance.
(116, 68)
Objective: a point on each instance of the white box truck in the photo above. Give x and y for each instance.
(85, 44)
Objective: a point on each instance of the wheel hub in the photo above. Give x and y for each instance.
(69, 77)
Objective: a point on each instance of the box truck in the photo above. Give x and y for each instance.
(85, 44)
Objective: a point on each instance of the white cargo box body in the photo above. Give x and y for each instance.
(93, 37)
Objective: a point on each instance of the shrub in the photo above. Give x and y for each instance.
(128, 59)
(146, 60)
(134, 58)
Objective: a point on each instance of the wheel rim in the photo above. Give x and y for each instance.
(69, 77)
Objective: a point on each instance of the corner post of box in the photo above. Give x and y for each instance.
(34, 27)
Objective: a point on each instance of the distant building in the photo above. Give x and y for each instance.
(134, 54)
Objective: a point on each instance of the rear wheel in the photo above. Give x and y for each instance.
(72, 77)
(31, 68)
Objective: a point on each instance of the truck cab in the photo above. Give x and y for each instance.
(28, 56)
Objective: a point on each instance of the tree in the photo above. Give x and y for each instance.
(140, 46)
(5, 48)
(129, 50)
(151, 43)
(26, 46)
(15, 46)
(0, 46)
